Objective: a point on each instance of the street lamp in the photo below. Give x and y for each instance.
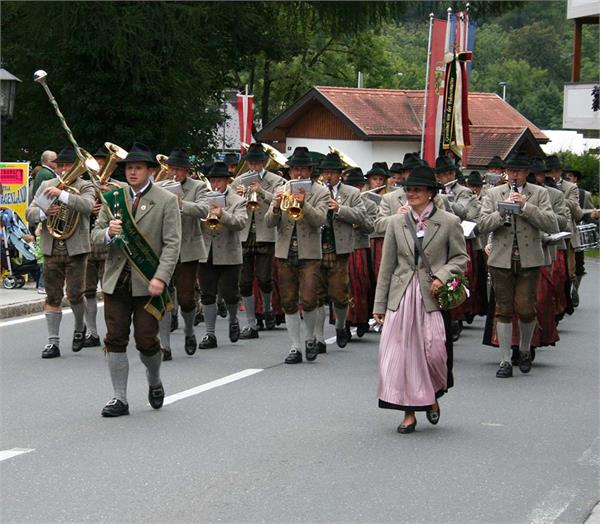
(8, 89)
(503, 84)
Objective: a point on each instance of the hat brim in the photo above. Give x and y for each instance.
(420, 183)
(151, 163)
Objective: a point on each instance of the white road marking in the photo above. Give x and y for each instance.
(492, 424)
(14, 452)
(552, 507)
(590, 456)
(22, 320)
(211, 385)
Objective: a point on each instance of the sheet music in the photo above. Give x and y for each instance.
(44, 202)
(248, 179)
(296, 185)
(468, 228)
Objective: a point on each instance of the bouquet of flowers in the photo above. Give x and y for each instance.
(453, 293)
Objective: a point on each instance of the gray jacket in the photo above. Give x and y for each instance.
(195, 208)
(571, 193)
(351, 211)
(308, 228)
(362, 230)
(225, 241)
(83, 203)
(445, 249)
(387, 208)
(536, 218)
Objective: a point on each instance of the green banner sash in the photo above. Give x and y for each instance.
(138, 251)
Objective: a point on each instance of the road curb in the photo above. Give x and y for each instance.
(30, 307)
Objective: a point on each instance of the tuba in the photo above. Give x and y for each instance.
(62, 225)
(163, 168)
(115, 153)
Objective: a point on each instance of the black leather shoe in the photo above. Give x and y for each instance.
(321, 347)
(574, 296)
(208, 342)
(341, 337)
(248, 333)
(221, 309)
(311, 350)
(156, 396)
(515, 357)
(174, 322)
(404, 430)
(115, 408)
(51, 351)
(504, 371)
(433, 416)
(167, 355)
(525, 362)
(91, 341)
(269, 320)
(361, 329)
(455, 329)
(260, 325)
(294, 357)
(190, 345)
(78, 340)
(234, 331)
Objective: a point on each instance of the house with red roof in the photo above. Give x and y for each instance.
(376, 125)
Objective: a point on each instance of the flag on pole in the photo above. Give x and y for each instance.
(245, 103)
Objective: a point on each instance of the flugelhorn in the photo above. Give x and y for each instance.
(163, 168)
(115, 153)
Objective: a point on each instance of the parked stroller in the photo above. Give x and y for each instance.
(17, 250)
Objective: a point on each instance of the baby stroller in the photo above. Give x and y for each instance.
(17, 252)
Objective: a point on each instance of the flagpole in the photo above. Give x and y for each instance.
(426, 87)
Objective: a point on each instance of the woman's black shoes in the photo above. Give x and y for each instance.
(410, 428)
(433, 416)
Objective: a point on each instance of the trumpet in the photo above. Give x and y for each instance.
(291, 206)
(213, 222)
(252, 199)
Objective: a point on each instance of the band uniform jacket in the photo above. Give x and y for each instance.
(194, 208)
(364, 229)
(225, 241)
(563, 217)
(387, 208)
(536, 218)
(444, 246)
(587, 206)
(158, 219)
(460, 201)
(308, 228)
(83, 203)
(571, 193)
(351, 211)
(269, 184)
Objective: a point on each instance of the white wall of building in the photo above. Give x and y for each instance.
(577, 107)
(572, 141)
(580, 8)
(363, 152)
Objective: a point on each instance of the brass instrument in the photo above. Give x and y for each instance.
(64, 224)
(115, 153)
(291, 206)
(252, 198)
(213, 222)
(163, 168)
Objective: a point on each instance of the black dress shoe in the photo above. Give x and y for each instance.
(455, 329)
(91, 341)
(504, 371)
(294, 357)
(248, 333)
(322, 347)
(234, 331)
(405, 429)
(115, 408)
(156, 396)
(311, 350)
(222, 309)
(51, 351)
(260, 325)
(190, 345)
(515, 357)
(208, 342)
(525, 362)
(167, 355)
(574, 296)
(341, 337)
(433, 416)
(78, 340)
(174, 322)
(269, 320)
(361, 329)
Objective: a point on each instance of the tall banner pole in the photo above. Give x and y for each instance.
(422, 152)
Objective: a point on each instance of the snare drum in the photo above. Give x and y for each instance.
(588, 237)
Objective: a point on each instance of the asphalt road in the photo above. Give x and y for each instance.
(303, 443)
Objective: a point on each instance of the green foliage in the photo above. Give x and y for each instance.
(588, 164)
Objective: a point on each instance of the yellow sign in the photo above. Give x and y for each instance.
(14, 178)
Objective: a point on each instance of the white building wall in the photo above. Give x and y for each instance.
(363, 152)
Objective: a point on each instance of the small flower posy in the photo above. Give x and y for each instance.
(453, 293)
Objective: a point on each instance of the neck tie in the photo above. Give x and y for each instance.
(136, 201)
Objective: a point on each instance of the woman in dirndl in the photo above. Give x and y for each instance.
(415, 351)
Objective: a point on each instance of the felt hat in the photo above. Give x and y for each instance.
(422, 176)
(537, 166)
(66, 156)
(518, 161)
(218, 170)
(575, 172)
(331, 161)
(180, 158)
(411, 160)
(496, 161)
(231, 159)
(301, 157)
(355, 177)
(552, 162)
(443, 164)
(255, 153)
(378, 169)
(474, 179)
(139, 153)
(397, 167)
(101, 152)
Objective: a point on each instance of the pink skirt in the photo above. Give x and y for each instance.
(413, 368)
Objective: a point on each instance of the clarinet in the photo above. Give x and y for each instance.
(508, 219)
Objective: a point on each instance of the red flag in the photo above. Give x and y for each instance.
(245, 111)
(434, 92)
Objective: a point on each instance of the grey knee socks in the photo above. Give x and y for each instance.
(91, 310)
(266, 301)
(188, 319)
(233, 311)
(78, 315)
(341, 313)
(210, 318)
(320, 324)
(526, 329)
(292, 323)
(310, 318)
(504, 332)
(164, 331)
(53, 319)
(250, 311)
(152, 364)
(118, 365)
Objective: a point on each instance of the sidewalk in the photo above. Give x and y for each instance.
(23, 301)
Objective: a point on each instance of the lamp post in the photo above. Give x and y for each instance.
(8, 89)
(503, 84)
